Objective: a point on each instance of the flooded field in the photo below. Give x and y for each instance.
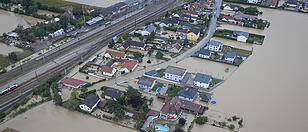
(98, 3)
(6, 49)
(51, 118)
(269, 90)
(9, 21)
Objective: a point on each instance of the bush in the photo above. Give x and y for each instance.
(201, 120)
(84, 95)
(231, 127)
(149, 61)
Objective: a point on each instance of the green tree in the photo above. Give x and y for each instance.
(231, 127)
(159, 55)
(137, 55)
(13, 56)
(125, 36)
(149, 61)
(201, 120)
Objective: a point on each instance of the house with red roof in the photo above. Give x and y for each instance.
(108, 71)
(271, 3)
(71, 83)
(129, 66)
(230, 19)
(114, 54)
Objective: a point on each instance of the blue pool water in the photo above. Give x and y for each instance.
(158, 90)
(162, 128)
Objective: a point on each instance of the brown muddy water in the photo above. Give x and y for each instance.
(269, 90)
(98, 3)
(9, 21)
(51, 118)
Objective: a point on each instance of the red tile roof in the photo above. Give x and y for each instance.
(231, 18)
(107, 69)
(272, 2)
(73, 82)
(115, 54)
(153, 113)
(171, 106)
(129, 64)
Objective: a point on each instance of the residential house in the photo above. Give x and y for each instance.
(113, 94)
(193, 34)
(253, 1)
(133, 44)
(151, 73)
(205, 97)
(89, 103)
(187, 93)
(238, 15)
(231, 7)
(148, 30)
(176, 46)
(202, 81)
(108, 71)
(129, 66)
(153, 113)
(291, 3)
(271, 3)
(101, 104)
(174, 73)
(114, 54)
(168, 22)
(171, 109)
(146, 125)
(240, 36)
(181, 16)
(230, 19)
(306, 5)
(131, 113)
(161, 39)
(204, 53)
(146, 82)
(72, 83)
(230, 57)
(181, 32)
(190, 13)
(250, 18)
(215, 45)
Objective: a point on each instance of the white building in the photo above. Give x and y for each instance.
(240, 36)
(215, 45)
(174, 73)
(202, 80)
(108, 71)
(89, 103)
(253, 1)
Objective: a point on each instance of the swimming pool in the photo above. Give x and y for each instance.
(162, 128)
(158, 90)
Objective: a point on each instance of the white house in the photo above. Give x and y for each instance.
(108, 71)
(129, 66)
(215, 45)
(240, 36)
(146, 82)
(202, 80)
(204, 53)
(174, 73)
(230, 57)
(253, 1)
(89, 103)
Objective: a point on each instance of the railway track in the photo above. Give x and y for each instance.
(9, 99)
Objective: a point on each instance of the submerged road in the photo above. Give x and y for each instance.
(32, 79)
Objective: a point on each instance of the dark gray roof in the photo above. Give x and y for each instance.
(188, 92)
(204, 52)
(241, 33)
(181, 30)
(206, 97)
(175, 70)
(178, 41)
(170, 21)
(133, 43)
(149, 28)
(146, 81)
(114, 93)
(195, 31)
(110, 63)
(90, 100)
(150, 73)
(215, 43)
(202, 78)
(230, 55)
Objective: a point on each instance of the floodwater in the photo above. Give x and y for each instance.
(269, 90)
(98, 3)
(9, 21)
(50, 118)
(6, 49)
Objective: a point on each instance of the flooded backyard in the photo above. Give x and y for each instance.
(6, 49)
(98, 3)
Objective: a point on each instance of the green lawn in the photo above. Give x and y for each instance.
(160, 73)
(215, 81)
(4, 61)
(173, 91)
(54, 2)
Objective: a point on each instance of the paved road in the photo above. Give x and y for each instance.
(188, 53)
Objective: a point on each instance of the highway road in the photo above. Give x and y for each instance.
(49, 68)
